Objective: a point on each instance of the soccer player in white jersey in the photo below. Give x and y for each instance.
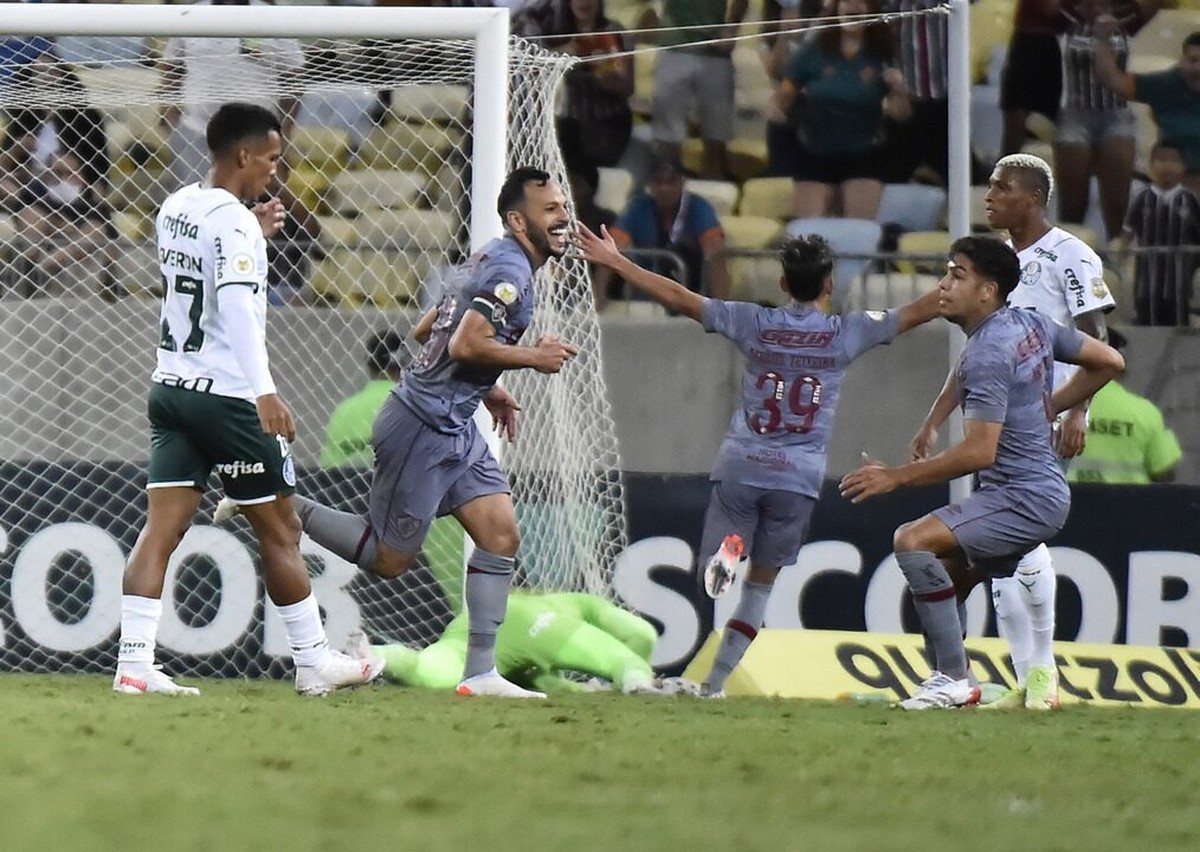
(1062, 278)
(213, 406)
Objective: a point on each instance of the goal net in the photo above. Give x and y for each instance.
(385, 160)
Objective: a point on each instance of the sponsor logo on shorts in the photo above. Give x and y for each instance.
(408, 526)
(240, 468)
(289, 472)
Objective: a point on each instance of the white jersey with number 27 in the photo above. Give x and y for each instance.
(207, 240)
(1061, 277)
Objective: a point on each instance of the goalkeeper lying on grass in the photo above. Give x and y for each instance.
(543, 636)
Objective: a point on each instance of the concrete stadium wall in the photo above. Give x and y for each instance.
(673, 387)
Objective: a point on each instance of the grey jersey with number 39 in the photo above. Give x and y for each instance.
(795, 359)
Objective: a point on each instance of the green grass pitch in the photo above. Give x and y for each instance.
(252, 766)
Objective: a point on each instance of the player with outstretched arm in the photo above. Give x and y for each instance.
(769, 469)
(1005, 383)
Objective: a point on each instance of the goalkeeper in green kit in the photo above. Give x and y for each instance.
(542, 636)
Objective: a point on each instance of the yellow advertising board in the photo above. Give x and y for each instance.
(829, 664)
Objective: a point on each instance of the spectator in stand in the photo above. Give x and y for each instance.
(1173, 95)
(841, 86)
(1165, 215)
(695, 72)
(290, 250)
(596, 120)
(1096, 129)
(1031, 81)
(922, 49)
(348, 432)
(1128, 442)
(199, 74)
(65, 233)
(669, 217)
(35, 135)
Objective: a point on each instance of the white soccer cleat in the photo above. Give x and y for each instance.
(1041, 688)
(339, 671)
(492, 684)
(721, 570)
(225, 512)
(147, 680)
(679, 686)
(939, 692)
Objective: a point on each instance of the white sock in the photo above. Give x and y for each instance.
(1012, 622)
(1038, 583)
(139, 626)
(306, 634)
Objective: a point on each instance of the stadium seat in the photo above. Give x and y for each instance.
(754, 87)
(1150, 63)
(979, 220)
(142, 188)
(322, 149)
(354, 191)
(432, 102)
(411, 147)
(337, 232)
(346, 277)
(429, 230)
(310, 186)
(756, 279)
(613, 191)
(930, 249)
(912, 206)
(1088, 235)
(879, 291)
(849, 239)
(721, 194)
(991, 27)
(745, 158)
(768, 196)
(751, 232)
(1163, 34)
(133, 224)
(644, 62)
(350, 109)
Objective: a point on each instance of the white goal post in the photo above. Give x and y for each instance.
(401, 124)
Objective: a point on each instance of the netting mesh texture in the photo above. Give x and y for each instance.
(377, 182)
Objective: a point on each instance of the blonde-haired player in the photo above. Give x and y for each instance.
(1061, 277)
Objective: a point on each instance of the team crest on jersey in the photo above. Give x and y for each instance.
(506, 292)
(1099, 288)
(243, 264)
(1031, 273)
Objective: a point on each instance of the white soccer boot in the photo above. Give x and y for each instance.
(679, 686)
(492, 684)
(338, 672)
(225, 511)
(146, 679)
(939, 692)
(722, 569)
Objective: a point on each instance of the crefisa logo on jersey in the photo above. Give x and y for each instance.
(180, 226)
(1075, 286)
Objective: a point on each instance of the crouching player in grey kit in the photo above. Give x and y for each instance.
(771, 464)
(1005, 377)
(430, 459)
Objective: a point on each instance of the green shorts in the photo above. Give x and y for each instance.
(193, 434)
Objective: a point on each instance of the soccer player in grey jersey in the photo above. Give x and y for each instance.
(1005, 380)
(770, 466)
(430, 459)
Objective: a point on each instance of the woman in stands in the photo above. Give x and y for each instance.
(834, 95)
(1096, 129)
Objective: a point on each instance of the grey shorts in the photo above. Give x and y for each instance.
(995, 527)
(193, 434)
(772, 523)
(1093, 127)
(686, 80)
(421, 473)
